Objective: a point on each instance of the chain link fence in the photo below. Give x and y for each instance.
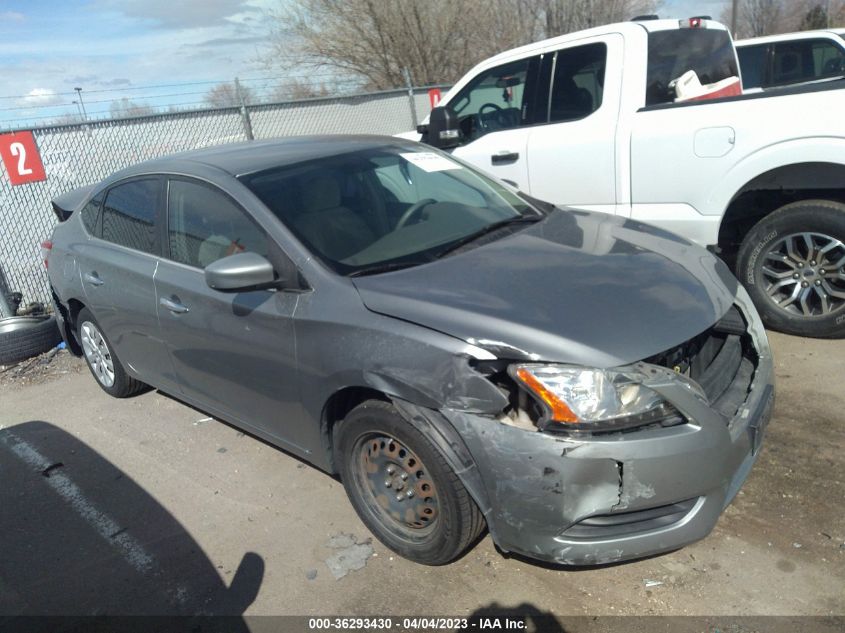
(79, 155)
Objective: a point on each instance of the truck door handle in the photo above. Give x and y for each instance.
(93, 278)
(174, 306)
(503, 158)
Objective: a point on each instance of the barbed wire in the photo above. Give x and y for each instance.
(268, 90)
(305, 79)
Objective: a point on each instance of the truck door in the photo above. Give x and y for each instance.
(572, 157)
(495, 111)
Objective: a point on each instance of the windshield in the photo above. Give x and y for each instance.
(384, 207)
(709, 52)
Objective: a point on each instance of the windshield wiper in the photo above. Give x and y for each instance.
(385, 268)
(490, 228)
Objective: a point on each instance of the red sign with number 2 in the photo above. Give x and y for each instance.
(21, 158)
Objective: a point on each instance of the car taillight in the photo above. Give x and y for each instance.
(46, 248)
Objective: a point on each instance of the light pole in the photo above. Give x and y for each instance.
(76, 103)
(81, 103)
(734, 9)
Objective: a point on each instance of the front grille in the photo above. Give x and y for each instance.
(721, 360)
(602, 526)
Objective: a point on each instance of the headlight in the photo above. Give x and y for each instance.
(583, 399)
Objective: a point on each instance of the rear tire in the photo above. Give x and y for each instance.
(792, 263)
(436, 520)
(101, 359)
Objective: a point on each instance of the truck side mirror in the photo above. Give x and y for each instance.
(443, 130)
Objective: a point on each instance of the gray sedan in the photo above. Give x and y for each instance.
(588, 388)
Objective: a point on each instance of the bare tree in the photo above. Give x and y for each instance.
(299, 89)
(756, 18)
(815, 18)
(126, 108)
(564, 16)
(225, 95)
(818, 14)
(376, 40)
(765, 17)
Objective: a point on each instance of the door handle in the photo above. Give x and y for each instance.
(174, 306)
(505, 157)
(93, 278)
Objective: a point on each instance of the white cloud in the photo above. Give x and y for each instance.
(40, 97)
(12, 16)
(178, 15)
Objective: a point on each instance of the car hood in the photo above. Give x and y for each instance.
(577, 287)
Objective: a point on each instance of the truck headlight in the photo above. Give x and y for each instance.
(584, 399)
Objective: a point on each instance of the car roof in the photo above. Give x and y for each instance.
(249, 157)
(625, 28)
(785, 37)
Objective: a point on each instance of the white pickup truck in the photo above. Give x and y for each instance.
(589, 120)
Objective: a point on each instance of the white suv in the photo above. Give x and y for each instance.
(791, 58)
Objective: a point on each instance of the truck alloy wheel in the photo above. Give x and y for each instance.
(793, 265)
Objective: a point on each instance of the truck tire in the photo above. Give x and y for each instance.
(27, 336)
(793, 265)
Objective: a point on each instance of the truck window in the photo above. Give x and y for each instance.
(752, 61)
(578, 82)
(496, 99)
(709, 52)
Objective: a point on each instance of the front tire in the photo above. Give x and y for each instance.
(402, 487)
(793, 265)
(101, 359)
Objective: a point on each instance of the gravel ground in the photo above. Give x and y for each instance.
(40, 369)
(146, 505)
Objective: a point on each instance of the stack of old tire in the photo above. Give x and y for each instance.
(22, 337)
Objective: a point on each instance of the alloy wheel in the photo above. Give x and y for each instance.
(97, 353)
(804, 274)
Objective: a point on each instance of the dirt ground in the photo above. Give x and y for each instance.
(146, 505)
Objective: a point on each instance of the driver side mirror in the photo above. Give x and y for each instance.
(443, 129)
(244, 272)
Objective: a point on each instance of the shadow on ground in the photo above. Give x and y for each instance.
(79, 537)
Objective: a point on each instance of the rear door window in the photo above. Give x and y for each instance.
(709, 52)
(578, 82)
(130, 212)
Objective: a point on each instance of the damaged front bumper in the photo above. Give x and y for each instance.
(606, 498)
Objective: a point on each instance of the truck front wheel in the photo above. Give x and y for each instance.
(793, 265)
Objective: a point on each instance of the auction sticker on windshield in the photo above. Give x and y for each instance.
(429, 161)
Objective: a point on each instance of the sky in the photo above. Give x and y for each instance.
(124, 48)
(112, 48)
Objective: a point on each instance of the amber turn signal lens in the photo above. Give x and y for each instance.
(560, 412)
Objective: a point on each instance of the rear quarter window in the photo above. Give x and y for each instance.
(709, 52)
(91, 214)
